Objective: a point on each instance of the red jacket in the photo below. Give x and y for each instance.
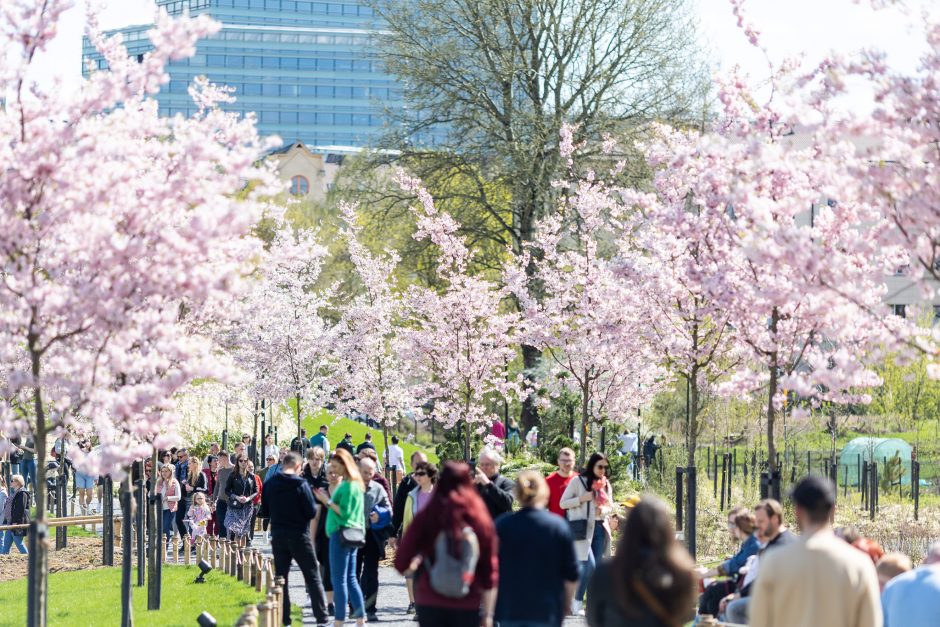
(258, 484)
(419, 540)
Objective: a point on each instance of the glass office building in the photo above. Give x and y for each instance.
(304, 68)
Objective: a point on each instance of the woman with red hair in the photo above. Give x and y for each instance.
(456, 519)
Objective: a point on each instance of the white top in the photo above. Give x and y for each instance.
(395, 456)
(628, 443)
(271, 449)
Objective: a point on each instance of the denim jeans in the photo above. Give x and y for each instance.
(9, 540)
(29, 472)
(343, 574)
(168, 518)
(595, 554)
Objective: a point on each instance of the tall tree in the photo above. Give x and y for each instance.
(459, 341)
(489, 84)
(116, 227)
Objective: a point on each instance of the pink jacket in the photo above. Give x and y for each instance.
(170, 493)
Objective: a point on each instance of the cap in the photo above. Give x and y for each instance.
(631, 502)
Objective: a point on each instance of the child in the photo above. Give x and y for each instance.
(197, 518)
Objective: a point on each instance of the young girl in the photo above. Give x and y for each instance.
(197, 519)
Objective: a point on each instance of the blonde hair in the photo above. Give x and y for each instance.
(531, 489)
(350, 468)
(193, 477)
(893, 564)
(197, 496)
(19, 479)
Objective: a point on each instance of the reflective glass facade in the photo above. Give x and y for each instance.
(304, 68)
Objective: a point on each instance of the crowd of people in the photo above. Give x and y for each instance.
(477, 548)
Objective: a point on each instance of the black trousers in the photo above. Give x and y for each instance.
(714, 593)
(221, 508)
(430, 616)
(367, 569)
(287, 546)
(181, 509)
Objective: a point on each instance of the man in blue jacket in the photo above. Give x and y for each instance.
(287, 501)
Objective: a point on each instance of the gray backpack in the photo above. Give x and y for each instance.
(451, 576)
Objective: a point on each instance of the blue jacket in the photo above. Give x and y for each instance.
(748, 548)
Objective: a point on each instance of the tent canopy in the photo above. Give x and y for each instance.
(878, 450)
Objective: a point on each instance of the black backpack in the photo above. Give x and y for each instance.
(26, 519)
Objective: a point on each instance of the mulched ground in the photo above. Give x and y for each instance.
(81, 554)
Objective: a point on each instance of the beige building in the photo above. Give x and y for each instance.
(310, 174)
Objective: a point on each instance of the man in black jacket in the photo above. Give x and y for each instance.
(288, 502)
(401, 496)
(495, 489)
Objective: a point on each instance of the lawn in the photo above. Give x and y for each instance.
(92, 598)
(340, 426)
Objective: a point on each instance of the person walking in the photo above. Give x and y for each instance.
(589, 498)
(819, 579)
(300, 444)
(270, 448)
(170, 492)
(394, 458)
(368, 453)
(15, 512)
(321, 539)
(377, 508)
(344, 512)
(198, 517)
(559, 480)
(28, 463)
(241, 491)
(181, 471)
(405, 487)
(194, 481)
(218, 494)
(650, 582)
(540, 596)
(255, 502)
(455, 520)
(367, 443)
(320, 440)
(496, 490)
(211, 471)
(913, 597)
(346, 444)
(425, 476)
(289, 504)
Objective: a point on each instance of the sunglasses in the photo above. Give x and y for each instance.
(421, 473)
(242, 461)
(602, 466)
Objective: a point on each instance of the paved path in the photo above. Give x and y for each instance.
(393, 596)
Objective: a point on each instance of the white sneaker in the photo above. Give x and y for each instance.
(577, 608)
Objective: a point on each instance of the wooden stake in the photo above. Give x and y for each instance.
(187, 546)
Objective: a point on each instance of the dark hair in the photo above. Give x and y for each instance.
(455, 503)
(322, 427)
(303, 432)
(745, 521)
(211, 458)
(771, 507)
(651, 569)
(588, 471)
(429, 468)
(816, 497)
(368, 435)
(291, 460)
(394, 439)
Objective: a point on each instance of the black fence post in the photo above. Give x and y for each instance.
(730, 463)
(692, 493)
(775, 485)
(873, 487)
(61, 532)
(127, 505)
(864, 483)
(915, 487)
(679, 472)
(764, 485)
(834, 475)
(715, 478)
(724, 472)
(708, 462)
(809, 463)
(734, 461)
(107, 522)
(155, 554)
(140, 518)
(393, 481)
(38, 573)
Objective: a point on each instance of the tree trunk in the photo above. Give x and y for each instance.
(388, 458)
(585, 395)
(772, 392)
(531, 357)
(298, 415)
(466, 441)
(691, 437)
(38, 592)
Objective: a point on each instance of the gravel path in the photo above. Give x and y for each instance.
(393, 596)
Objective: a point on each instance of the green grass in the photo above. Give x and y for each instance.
(92, 598)
(340, 426)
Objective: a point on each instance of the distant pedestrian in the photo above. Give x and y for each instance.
(170, 492)
(198, 517)
(289, 504)
(495, 489)
(589, 498)
(425, 476)
(220, 497)
(817, 566)
(405, 487)
(320, 439)
(270, 448)
(456, 521)
(15, 512)
(241, 491)
(344, 512)
(913, 598)
(346, 444)
(395, 459)
(558, 481)
(538, 567)
(650, 581)
(367, 443)
(300, 444)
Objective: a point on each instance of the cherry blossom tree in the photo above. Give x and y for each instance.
(459, 341)
(588, 322)
(116, 227)
(371, 377)
(283, 340)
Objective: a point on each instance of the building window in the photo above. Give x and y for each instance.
(899, 310)
(299, 186)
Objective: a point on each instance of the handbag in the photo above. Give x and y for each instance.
(352, 537)
(578, 527)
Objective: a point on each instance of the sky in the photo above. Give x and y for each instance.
(811, 28)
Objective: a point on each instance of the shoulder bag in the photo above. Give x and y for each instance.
(579, 527)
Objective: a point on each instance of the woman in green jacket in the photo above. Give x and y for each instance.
(345, 511)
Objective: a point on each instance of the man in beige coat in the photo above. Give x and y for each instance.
(820, 580)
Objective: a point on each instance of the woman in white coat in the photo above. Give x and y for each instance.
(589, 497)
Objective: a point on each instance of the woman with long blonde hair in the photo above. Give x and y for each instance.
(345, 512)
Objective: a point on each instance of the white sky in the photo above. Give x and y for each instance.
(810, 27)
